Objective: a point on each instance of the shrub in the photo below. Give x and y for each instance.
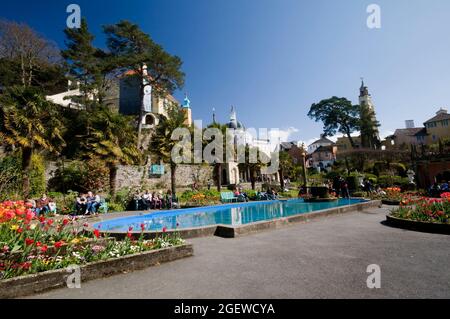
(388, 180)
(123, 199)
(116, 207)
(79, 177)
(353, 182)
(371, 177)
(290, 194)
(250, 193)
(65, 203)
(10, 177)
(332, 175)
(37, 175)
(359, 194)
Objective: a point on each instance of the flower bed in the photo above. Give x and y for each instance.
(200, 198)
(31, 244)
(40, 282)
(431, 210)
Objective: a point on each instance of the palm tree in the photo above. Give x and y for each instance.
(285, 164)
(29, 123)
(161, 144)
(218, 165)
(253, 168)
(112, 140)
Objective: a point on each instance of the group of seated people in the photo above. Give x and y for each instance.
(87, 204)
(438, 188)
(270, 194)
(240, 195)
(155, 200)
(43, 205)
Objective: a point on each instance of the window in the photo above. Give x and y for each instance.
(149, 120)
(445, 123)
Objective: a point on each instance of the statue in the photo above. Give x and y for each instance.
(411, 175)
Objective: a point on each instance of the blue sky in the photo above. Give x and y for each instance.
(272, 59)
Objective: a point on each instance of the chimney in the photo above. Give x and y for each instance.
(410, 124)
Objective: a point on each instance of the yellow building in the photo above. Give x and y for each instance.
(343, 143)
(438, 127)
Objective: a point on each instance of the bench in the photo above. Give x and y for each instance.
(228, 197)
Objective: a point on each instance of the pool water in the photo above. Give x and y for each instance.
(230, 214)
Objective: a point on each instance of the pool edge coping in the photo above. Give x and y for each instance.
(227, 231)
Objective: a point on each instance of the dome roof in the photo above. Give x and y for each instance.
(235, 125)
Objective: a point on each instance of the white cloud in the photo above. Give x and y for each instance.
(282, 134)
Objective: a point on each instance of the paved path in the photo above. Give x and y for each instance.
(326, 258)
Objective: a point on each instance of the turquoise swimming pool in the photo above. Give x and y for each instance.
(231, 214)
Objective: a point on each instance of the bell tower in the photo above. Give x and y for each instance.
(186, 109)
(370, 136)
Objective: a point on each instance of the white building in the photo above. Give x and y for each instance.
(323, 141)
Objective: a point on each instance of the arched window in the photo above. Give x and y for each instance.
(149, 120)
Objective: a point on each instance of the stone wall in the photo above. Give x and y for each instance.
(186, 175)
(138, 176)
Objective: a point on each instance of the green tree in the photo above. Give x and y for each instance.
(89, 65)
(337, 115)
(220, 151)
(285, 164)
(369, 128)
(112, 141)
(252, 166)
(38, 185)
(162, 144)
(29, 123)
(132, 49)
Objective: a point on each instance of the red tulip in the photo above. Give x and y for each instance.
(29, 241)
(164, 229)
(59, 244)
(30, 215)
(25, 266)
(44, 248)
